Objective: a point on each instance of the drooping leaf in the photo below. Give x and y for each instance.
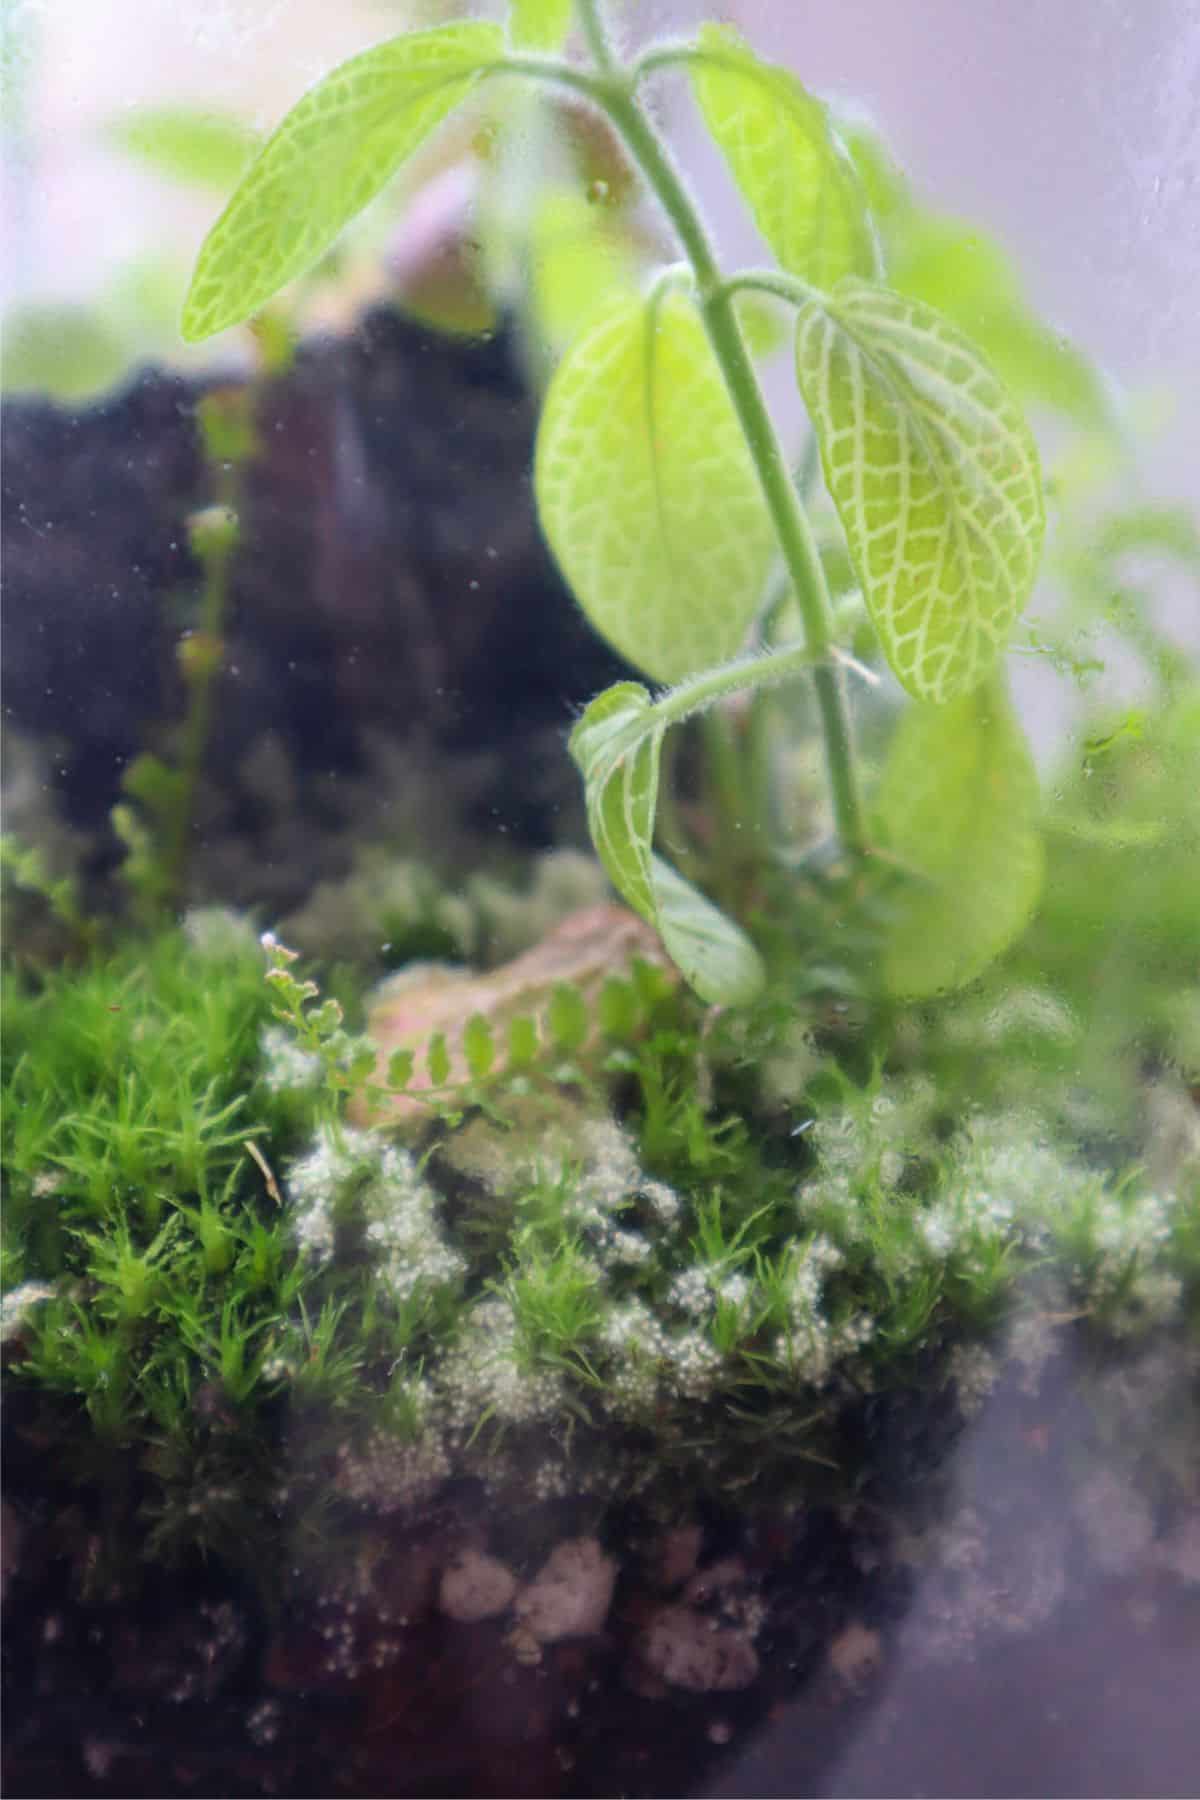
(646, 491)
(540, 25)
(331, 155)
(186, 143)
(935, 477)
(958, 803)
(617, 746)
(803, 190)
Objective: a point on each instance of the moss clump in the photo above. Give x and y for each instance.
(681, 1264)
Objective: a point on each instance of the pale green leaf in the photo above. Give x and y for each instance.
(717, 960)
(540, 25)
(958, 804)
(331, 155)
(581, 261)
(68, 351)
(185, 143)
(567, 1017)
(617, 750)
(617, 745)
(803, 190)
(764, 324)
(646, 491)
(965, 274)
(618, 1008)
(478, 1046)
(935, 477)
(437, 1060)
(522, 1041)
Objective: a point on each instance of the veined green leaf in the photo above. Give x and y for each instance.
(330, 156)
(935, 477)
(616, 746)
(803, 190)
(646, 491)
(187, 143)
(538, 24)
(437, 1060)
(958, 801)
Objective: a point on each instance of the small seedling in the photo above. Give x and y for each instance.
(664, 493)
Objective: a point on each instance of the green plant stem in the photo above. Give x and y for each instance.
(591, 21)
(614, 92)
(199, 714)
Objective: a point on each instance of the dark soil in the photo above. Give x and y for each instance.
(991, 1668)
(391, 585)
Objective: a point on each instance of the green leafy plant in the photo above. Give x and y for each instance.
(156, 820)
(664, 492)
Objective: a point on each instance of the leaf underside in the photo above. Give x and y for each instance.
(958, 802)
(329, 157)
(934, 475)
(646, 491)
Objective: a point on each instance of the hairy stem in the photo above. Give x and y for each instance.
(796, 541)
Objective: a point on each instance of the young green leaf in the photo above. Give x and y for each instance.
(803, 190)
(647, 492)
(437, 1060)
(567, 1017)
(580, 260)
(957, 269)
(958, 801)
(185, 143)
(616, 747)
(617, 751)
(935, 477)
(717, 959)
(538, 24)
(478, 1047)
(618, 1008)
(522, 1041)
(330, 156)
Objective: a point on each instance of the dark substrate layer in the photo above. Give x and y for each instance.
(390, 588)
(1043, 1660)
